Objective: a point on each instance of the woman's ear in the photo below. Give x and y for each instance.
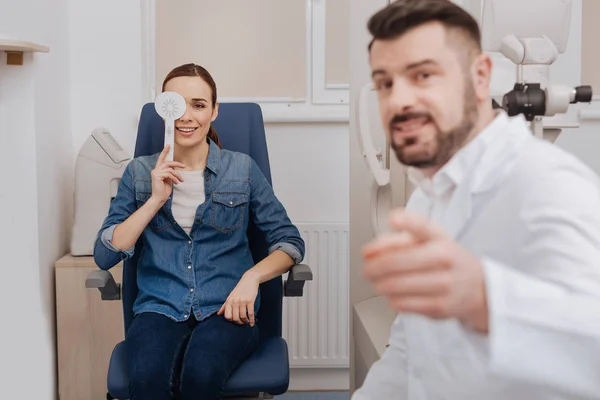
(215, 112)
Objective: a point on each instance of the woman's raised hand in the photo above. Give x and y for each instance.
(164, 176)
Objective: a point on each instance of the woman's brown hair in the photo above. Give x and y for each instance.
(196, 70)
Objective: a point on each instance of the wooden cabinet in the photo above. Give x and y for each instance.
(88, 329)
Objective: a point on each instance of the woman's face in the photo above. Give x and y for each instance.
(191, 129)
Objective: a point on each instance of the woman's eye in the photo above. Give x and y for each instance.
(199, 105)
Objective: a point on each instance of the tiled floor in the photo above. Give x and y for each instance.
(314, 396)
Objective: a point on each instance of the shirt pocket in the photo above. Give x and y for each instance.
(227, 210)
(160, 221)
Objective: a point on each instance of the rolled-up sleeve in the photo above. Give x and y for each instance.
(270, 216)
(106, 255)
(290, 250)
(106, 238)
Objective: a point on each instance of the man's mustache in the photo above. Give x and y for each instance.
(399, 118)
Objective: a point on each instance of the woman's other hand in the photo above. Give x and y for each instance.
(239, 306)
(164, 175)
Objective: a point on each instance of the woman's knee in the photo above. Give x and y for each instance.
(150, 380)
(202, 380)
(154, 346)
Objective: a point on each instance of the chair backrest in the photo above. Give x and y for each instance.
(240, 128)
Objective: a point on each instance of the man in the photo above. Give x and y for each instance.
(494, 266)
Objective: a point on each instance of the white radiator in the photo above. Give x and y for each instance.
(316, 325)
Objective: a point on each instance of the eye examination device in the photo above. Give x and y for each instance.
(98, 170)
(532, 41)
(170, 106)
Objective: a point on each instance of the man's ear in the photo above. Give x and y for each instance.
(482, 76)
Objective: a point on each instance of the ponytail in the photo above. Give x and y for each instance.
(212, 135)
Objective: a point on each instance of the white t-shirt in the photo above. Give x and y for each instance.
(187, 196)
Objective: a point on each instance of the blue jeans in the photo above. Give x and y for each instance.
(184, 360)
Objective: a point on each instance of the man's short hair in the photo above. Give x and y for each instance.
(403, 15)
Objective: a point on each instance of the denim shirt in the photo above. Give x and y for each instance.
(179, 273)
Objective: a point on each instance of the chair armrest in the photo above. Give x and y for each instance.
(294, 285)
(104, 281)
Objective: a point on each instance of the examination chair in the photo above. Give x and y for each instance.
(266, 372)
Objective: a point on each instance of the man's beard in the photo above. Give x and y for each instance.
(447, 143)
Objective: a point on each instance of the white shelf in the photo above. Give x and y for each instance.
(373, 319)
(15, 45)
(16, 48)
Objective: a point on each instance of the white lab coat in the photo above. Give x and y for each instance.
(531, 212)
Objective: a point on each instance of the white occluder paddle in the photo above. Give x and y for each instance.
(170, 106)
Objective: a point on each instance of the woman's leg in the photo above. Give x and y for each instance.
(215, 350)
(154, 345)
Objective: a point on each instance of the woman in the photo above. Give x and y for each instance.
(198, 294)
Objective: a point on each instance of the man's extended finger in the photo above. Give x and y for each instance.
(228, 312)
(435, 307)
(221, 310)
(388, 241)
(419, 227)
(427, 256)
(163, 155)
(427, 283)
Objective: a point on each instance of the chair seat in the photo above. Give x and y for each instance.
(266, 370)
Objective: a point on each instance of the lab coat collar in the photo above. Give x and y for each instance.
(460, 166)
(213, 161)
(478, 167)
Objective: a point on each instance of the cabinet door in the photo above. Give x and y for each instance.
(88, 329)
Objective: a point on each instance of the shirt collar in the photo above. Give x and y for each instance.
(462, 163)
(213, 161)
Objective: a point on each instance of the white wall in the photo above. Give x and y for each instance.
(309, 168)
(35, 200)
(585, 141)
(105, 76)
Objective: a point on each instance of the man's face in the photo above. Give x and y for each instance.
(427, 100)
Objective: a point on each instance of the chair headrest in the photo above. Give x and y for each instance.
(240, 128)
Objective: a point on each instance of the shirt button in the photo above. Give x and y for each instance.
(231, 203)
(185, 316)
(189, 242)
(191, 289)
(189, 267)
